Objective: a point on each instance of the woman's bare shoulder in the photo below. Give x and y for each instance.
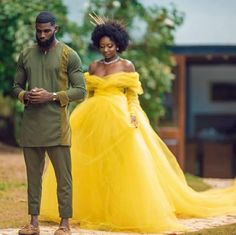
(128, 65)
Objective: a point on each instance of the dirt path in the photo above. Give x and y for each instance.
(192, 224)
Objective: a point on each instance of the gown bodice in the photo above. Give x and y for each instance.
(113, 83)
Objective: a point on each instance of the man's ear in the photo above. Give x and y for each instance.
(57, 28)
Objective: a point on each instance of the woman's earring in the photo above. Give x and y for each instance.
(117, 48)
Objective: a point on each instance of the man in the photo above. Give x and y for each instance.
(52, 73)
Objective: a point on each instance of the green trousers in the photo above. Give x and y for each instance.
(61, 161)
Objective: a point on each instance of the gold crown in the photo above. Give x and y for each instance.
(96, 20)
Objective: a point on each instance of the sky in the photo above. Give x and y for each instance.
(207, 22)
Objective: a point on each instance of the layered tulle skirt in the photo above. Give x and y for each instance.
(125, 178)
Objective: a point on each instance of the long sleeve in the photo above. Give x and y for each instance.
(132, 100)
(132, 91)
(77, 90)
(20, 80)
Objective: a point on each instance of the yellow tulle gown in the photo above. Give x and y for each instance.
(125, 178)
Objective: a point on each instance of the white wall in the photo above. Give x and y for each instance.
(200, 78)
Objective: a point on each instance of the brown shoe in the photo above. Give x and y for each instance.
(29, 229)
(62, 231)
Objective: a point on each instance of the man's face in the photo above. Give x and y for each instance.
(45, 34)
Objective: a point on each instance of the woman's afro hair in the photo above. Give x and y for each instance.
(115, 31)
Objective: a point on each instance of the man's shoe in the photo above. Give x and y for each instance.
(29, 229)
(62, 230)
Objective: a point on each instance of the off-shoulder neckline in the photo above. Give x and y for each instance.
(111, 74)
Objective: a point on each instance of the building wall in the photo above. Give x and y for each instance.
(199, 100)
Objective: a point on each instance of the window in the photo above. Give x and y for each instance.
(223, 91)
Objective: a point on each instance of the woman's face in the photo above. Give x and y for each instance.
(107, 47)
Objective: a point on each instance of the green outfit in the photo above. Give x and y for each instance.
(46, 126)
(61, 161)
(57, 71)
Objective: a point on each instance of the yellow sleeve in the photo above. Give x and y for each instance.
(132, 100)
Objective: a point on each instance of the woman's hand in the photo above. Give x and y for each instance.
(134, 120)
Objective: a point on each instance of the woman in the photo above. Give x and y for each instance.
(124, 176)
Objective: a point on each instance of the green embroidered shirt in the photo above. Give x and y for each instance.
(57, 71)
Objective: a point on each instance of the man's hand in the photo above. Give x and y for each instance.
(134, 120)
(39, 96)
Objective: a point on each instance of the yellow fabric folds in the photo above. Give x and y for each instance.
(125, 178)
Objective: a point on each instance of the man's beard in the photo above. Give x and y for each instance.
(45, 44)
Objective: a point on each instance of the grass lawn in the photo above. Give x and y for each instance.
(13, 200)
(196, 183)
(13, 208)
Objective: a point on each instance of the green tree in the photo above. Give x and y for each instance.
(152, 34)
